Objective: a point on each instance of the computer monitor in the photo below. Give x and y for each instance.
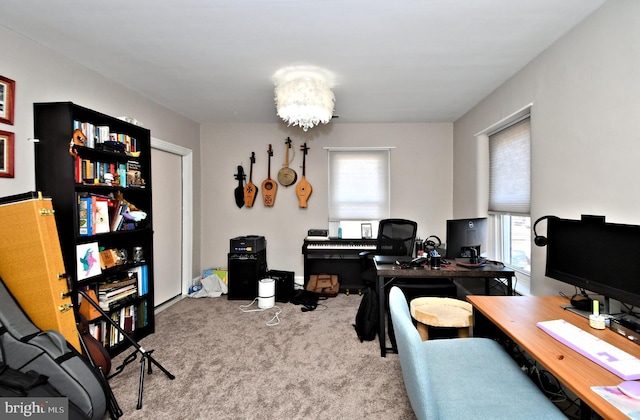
(464, 234)
(599, 257)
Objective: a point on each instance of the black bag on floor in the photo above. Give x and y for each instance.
(367, 316)
(27, 348)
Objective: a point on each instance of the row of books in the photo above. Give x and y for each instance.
(141, 272)
(97, 134)
(129, 318)
(125, 175)
(101, 214)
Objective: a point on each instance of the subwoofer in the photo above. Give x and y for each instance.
(245, 271)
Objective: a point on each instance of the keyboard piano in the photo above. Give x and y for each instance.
(338, 246)
(337, 256)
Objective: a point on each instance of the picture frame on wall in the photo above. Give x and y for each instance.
(365, 229)
(6, 154)
(7, 100)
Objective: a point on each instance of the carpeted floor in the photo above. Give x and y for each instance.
(230, 364)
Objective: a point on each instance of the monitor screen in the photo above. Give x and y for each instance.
(603, 258)
(462, 234)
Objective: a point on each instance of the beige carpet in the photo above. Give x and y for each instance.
(230, 365)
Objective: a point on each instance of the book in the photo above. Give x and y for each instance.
(134, 175)
(101, 215)
(85, 211)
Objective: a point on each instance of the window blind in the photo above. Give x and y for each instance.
(510, 169)
(358, 184)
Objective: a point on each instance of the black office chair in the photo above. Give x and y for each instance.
(396, 238)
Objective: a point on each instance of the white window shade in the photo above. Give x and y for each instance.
(358, 184)
(510, 169)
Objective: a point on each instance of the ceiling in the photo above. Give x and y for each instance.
(213, 60)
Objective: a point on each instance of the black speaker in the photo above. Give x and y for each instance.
(284, 284)
(245, 271)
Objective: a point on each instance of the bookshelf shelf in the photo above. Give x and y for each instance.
(118, 213)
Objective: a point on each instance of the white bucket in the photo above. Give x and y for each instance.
(266, 293)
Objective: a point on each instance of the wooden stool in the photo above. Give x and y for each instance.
(441, 312)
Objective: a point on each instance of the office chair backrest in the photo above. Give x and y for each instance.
(396, 237)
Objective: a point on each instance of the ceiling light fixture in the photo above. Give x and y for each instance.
(303, 95)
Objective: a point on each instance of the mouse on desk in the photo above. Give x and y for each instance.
(630, 389)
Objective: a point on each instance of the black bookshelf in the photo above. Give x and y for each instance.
(58, 177)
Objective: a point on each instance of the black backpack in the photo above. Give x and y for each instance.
(367, 317)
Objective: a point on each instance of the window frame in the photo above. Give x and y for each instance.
(351, 225)
(500, 222)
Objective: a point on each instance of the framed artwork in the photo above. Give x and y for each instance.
(88, 262)
(365, 229)
(7, 100)
(6, 154)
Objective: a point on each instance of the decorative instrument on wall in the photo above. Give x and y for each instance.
(269, 186)
(239, 191)
(286, 175)
(250, 190)
(303, 188)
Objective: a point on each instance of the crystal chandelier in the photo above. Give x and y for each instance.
(303, 96)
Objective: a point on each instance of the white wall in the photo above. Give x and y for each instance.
(421, 168)
(585, 91)
(42, 75)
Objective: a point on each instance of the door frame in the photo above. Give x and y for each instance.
(187, 206)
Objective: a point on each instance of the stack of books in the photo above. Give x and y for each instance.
(114, 294)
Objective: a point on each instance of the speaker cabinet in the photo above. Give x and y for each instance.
(245, 271)
(284, 284)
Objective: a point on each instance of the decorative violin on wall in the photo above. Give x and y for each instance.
(269, 186)
(250, 190)
(239, 191)
(286, 175)
(303, 188)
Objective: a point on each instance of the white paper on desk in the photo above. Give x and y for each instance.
(629, 406)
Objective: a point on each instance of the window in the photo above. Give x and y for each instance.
(510, 191)
(358, 189)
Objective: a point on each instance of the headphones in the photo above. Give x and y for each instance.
(541, 240)
(428, 242)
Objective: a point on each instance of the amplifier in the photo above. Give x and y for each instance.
(318, 232)
(247, 244)
(244, 273)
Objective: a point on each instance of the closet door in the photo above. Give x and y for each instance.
(167, 222)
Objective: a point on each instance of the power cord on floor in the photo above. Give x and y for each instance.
(273, 321)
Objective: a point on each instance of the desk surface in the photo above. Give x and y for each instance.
(517, 317)
(452, 270)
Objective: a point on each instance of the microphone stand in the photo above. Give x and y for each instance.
(146, 354)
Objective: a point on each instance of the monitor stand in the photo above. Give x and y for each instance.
(604, 309)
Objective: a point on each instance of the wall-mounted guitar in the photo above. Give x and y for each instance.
(250, 190)
(303, 188)
(269, 186)
(239, 191)
(286, 175)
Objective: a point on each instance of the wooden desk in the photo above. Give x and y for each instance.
(517, 317)
(388, 273)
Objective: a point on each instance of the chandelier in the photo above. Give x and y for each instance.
(303, 96)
